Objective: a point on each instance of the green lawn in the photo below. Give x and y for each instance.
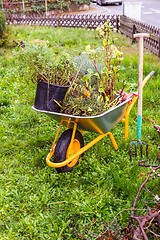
(36, 202)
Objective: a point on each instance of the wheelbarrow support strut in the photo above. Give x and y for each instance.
(71, 161)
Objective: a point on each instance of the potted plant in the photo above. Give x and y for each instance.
(96, 92)
(53, 74)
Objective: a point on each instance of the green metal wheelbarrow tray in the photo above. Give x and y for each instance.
(70, 145)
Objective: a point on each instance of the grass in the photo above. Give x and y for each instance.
(36, 202)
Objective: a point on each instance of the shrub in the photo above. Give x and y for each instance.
(81, 1)
(38, 60)
(54, 4)
(2, 23)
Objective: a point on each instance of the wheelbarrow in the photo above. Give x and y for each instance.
(70, 146)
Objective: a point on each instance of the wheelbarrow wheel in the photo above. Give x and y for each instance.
(62, 150)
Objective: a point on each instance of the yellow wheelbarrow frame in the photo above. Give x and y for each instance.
(99, 124)
(73, 158)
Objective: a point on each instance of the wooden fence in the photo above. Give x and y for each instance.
(123, 24)
(129, 27)
(67, 20)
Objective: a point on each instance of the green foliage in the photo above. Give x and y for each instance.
(81, 1)
(37, 60)
(36, 202)
(39, 7)
(80, 102)
(5, 32)
(96, 92)
(2, 23)
(6, 39)
(110, 58)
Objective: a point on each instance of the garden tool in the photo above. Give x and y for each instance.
(140, 86)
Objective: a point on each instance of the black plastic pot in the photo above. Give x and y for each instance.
(47, 93)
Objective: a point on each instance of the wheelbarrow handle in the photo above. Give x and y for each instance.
(152, 73)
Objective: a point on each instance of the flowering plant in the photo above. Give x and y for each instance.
(110, 58)
(96, 91)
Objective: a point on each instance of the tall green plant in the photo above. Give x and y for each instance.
(110, 58)
(97, 90)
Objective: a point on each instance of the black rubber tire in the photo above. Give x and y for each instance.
(62, 146)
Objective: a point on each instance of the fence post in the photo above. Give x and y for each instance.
(23, 4)
(133, 32)
(117, 23)
(46, 6)
(2, 5)
(159, 48)
(58, 25)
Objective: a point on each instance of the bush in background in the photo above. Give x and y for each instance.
(39, 6)
(2, 23)
(54, 4)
